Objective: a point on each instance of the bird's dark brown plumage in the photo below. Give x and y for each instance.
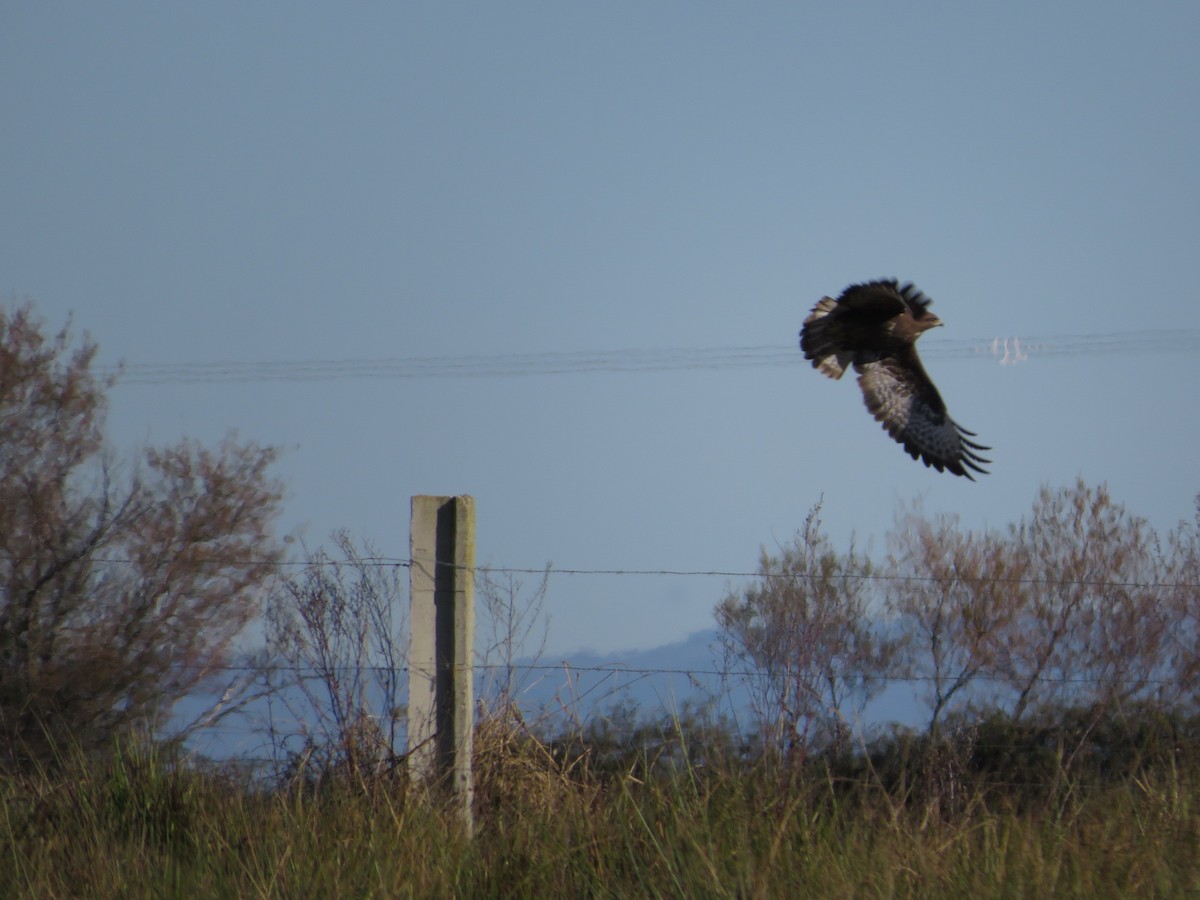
(874, 327)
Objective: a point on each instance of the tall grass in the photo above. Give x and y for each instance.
(548, 823)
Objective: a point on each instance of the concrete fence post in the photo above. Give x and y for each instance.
(442, 622)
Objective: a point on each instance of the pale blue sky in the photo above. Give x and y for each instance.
(278, 182)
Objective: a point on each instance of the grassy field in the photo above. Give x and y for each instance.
(135, 826)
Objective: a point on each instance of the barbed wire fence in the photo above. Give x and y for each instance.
(584, 689)
(384, 562)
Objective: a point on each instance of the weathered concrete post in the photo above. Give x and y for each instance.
(442, 622)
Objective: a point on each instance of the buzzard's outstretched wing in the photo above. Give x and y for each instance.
(899, 394)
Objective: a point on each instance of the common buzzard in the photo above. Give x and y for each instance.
(875, 326)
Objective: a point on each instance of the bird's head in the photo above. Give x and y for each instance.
(927, 321)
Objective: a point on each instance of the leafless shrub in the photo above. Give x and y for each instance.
(514, 634)
(118, 594)
(1181, 650)
(955, 593)
(805, 632)
(1093, 628)
(1079, 611)
(337, 642)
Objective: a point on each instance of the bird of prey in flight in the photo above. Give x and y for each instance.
(875, 327)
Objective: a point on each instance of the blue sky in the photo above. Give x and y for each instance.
(315, 182)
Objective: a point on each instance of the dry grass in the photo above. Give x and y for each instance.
(554, 826)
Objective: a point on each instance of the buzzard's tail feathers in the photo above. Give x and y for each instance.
(820, 339)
